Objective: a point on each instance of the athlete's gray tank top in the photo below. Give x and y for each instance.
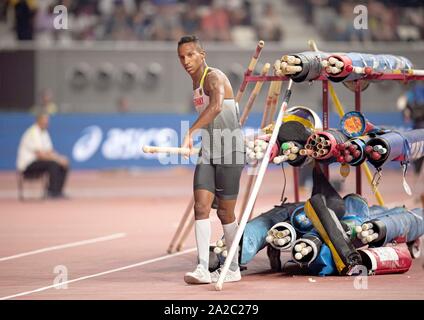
(223, 135)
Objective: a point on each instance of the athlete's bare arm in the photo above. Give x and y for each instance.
(215, 88)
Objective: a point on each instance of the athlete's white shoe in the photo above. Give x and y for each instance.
(198, 276)
(231, 276)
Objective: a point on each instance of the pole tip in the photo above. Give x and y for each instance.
(312, 45)
(146, 149)
(218, 286)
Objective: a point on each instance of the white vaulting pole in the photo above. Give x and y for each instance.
(256, 186)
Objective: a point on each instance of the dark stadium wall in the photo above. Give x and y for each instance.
(17, 80)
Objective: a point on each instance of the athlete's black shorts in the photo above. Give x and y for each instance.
(222, 179)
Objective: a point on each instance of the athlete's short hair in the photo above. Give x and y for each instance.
(189, 39)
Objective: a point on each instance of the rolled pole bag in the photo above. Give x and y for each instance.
(397, 225)
(300, 160)
(322, 186)
(357, 213)
(356, 207)
(370, 63)
(332, 233)
(300, 221)
(400, 146)
(256, 231)
(331, 136)
(355, 126)
(323, 265)
(282, 235)
(310, 61)
(386, 260)
(287, 240)
(310, 239)
(352, 151)
(298, 124)
(320, 261)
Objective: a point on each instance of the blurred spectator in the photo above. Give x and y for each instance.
(47, 105)
(85, 21)
(388, 20)
(44, 21)
(119, 25)
(412, 106)
(190, 19)
(240, 13)
(215, 23)
(37, 156)
(382, 22)
(269, 28)
(142, 24)
(24, 18)
(107, 7)
(215, 20)
(167, 24)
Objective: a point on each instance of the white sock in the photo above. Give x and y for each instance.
(230, 231)
(203, 239)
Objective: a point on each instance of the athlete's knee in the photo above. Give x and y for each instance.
(221, 212)
(201, 210)
(225, 216)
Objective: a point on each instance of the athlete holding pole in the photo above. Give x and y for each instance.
(221, 160)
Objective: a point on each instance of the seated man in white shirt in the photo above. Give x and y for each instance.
(36, 156)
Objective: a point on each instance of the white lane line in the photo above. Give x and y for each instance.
(100, 274)
(67, 245)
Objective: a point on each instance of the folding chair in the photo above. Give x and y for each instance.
(23, 180)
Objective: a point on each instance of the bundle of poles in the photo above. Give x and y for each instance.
(345, 152)
(324, 145)
(395, 146)
(333, 145)
(314, 65)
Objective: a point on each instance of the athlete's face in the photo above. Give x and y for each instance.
(191, 57)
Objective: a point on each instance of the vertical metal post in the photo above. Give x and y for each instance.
(325, 120)
(296, 183)
(358, 108)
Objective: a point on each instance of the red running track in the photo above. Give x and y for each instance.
(110, 239)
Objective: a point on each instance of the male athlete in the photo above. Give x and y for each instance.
(221, 160)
